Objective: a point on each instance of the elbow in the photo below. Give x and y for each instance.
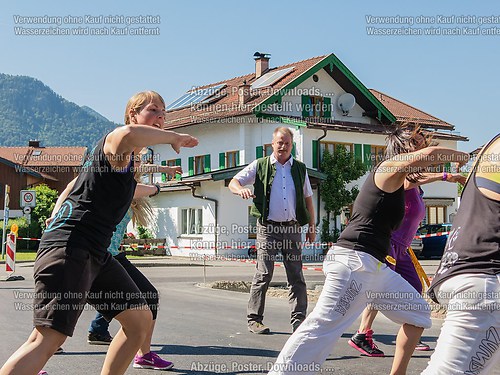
(233, 186)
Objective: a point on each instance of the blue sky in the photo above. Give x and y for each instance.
(455, 78)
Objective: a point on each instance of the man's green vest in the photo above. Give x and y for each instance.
(262, 189)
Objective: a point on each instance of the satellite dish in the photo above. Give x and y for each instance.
(346, 102)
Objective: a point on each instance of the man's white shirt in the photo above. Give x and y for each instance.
(282, 200)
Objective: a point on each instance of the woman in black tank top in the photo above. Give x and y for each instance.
(468, 278)
(72, 259)
(355, 266)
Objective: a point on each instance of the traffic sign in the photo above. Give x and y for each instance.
(26, 210)
(28, 198)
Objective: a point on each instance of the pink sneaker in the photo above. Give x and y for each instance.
(152, 361)
(42, 372)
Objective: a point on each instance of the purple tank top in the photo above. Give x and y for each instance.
(414, 214)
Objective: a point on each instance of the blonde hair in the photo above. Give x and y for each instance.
(137, 103)
(142, 212)
(283, 130)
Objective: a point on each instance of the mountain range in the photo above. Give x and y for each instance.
(29, 110)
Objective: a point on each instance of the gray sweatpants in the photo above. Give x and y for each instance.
(271, 240)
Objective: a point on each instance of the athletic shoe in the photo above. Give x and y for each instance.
(152, 361)
(43, 373)
(363, 342)
(59, 350)
(98, 339)
(258, 327)
(295, 324)
(422, 347)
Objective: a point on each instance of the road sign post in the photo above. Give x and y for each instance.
(5, 217)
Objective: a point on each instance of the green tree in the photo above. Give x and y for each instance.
(144, 233)
(45, 201)
(341, 167)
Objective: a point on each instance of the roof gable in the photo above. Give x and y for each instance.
(227, 104)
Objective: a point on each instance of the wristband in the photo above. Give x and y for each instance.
(157, 186)
(445, 176)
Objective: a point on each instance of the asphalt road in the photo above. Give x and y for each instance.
(203, 331)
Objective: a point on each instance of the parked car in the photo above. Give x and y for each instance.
(416, 245)
(433, 247)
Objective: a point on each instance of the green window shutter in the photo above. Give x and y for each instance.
(259, 152)
(294, 149)
(191, 166)
(222, 160)
(178, 177)
(305, 106)
(207, 163)
(367, 155)
(358, 151)
(163, 175)
(328, 107)
(315, 154)
(238, 158)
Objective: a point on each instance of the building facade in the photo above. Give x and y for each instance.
(324, 105)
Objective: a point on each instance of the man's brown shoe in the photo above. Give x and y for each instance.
(258, 327)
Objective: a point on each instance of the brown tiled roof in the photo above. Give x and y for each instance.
(48, 156)
(228, 104)
(406, 113)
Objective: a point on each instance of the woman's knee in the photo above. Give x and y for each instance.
(139, 319)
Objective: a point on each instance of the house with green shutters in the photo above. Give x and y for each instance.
(320, 100)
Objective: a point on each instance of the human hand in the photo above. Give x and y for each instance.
(456, 177)
(246, 193)
(173, 171)
(311, 233)
(184, 140)
(48, 221)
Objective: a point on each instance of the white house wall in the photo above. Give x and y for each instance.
(245, 133)
(291, 103)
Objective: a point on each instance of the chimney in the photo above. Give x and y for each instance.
(34, 143)
(261, 63)
(244, 93)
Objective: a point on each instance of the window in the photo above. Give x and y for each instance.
(191, 221)
(170, 163)
(316, 106)
(268, 149)
(378, 153)
(331, 146)
(232, 159)
(199, 164)
(436, 214)
(229, 159)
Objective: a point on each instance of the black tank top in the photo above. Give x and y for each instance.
(375, 215)
(97, 203)
(473, 242)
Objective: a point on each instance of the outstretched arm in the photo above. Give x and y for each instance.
(390, 174)
(427, 178)
(123, 140)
